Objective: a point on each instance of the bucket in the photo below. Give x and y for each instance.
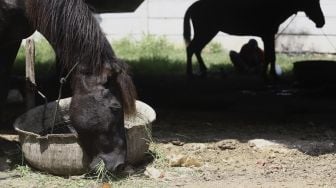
(61, 154)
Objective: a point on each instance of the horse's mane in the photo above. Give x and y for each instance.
(71, 29)
(76, 36)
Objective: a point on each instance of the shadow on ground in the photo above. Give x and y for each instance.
(232, 106)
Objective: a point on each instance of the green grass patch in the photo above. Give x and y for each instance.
(153, 55)
(44, 58)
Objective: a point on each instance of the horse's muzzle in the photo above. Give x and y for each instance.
(320, 25)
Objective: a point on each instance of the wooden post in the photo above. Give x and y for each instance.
(30, 73)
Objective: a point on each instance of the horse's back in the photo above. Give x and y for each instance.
(239, 17)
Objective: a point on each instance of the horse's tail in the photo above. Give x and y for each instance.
(186, 26)
(126, 86)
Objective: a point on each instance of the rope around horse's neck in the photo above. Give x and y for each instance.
(322, 31)
(63, 80)
(328, 39)
(281, 32)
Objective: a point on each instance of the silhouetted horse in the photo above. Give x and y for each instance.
(242, 17)
(102, 88)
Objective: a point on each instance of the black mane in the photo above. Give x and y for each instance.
(73, 32)
(76, 37)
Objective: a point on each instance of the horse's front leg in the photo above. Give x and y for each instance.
(190, 52)
(269, 47)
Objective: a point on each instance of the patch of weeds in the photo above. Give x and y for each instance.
(155, 55)
(149, 46)
(215, 47)
(157, 66)
(160, 158)
(100, 174)
(44, 58)
(24, 170)
(125, 48)
(152, 46)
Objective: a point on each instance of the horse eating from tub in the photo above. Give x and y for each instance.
(102, 87)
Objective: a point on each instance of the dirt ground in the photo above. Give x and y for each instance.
(232, 135)
(238, 154)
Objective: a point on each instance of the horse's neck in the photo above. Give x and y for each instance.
(13, 18)
(285, 11)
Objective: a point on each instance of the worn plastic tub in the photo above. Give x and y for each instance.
(62, 154)
(315, 72)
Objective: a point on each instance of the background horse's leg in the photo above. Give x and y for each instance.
(269, 56)
(7, 58)
(190, 52)
(200, 40)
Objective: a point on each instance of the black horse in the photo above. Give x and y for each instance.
(102, 88)
(242, 17)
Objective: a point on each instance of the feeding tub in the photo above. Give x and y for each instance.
(315, 72)
(60, 153)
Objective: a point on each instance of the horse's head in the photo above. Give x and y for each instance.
(313, 10)
(97, 114)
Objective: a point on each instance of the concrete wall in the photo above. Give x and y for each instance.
(165, 18)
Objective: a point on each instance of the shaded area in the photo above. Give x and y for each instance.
(234, 92)
(214, 126)
(226, 99)
(235, 109)
(227, 92)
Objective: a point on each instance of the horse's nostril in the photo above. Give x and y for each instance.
(120, 167)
